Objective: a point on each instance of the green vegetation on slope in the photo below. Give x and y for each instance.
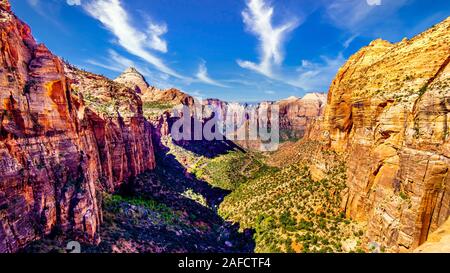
(292, 213)
(226, 171)
(113, 203)
(290, 135)
(289, 211)
(231, 170)
(154, 109)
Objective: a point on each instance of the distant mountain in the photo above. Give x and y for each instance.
(133, 79)
(295, 113)
(91, 159)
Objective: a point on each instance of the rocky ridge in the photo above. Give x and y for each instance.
(388, 111)
(295, 113)
(133, 79)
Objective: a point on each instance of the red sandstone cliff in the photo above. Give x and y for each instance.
(296, 114)
(388, 109)
(58, 150)
(150, 94)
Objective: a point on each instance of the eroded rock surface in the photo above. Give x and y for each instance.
(297, 113)
(57, 149)
(388, 109)
(438, 241)
(133, 79)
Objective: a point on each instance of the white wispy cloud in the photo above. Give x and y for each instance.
(354, 16)
(74, 2)
(349, 41)
(115, 62)
(118, 63)
(197, 94)
(202, 75)
(374, 2)
(116, 19)
(315, 76)
(34, 3)
(258, 18)
(357, 15)
(155, 32)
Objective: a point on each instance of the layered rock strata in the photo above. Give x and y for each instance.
(389, 111)
(57, 149)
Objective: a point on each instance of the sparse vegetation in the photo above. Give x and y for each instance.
(403, 195)
(291, 212)
(114, 202)
(230, 170)
(157, 105)
(423, 90)
(195, 197)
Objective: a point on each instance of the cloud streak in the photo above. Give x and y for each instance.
(317, 76)
(118, 63)
(357, 15)
(258, 17)
(115, 18)
(155, 32)
(74, 2)
(202, 75)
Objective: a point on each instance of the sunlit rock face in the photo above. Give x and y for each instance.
(438, 241)
(133, 79)
(297, 113)
(388, 109)
(57, 149)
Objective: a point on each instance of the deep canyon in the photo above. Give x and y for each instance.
(86, 158)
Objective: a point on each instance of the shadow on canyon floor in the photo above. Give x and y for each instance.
(209, 149)
(181, 223)
(203, 147)
(198, 227)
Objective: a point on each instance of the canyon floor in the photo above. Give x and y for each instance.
(166, 210)
(89, 159)
(216, 197)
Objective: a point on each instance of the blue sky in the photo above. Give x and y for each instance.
(236, 50)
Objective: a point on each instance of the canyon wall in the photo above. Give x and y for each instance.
(438, 241)
(60, 146)
(297, 113)
(389, 111)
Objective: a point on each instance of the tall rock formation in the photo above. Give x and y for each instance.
(58, 149)
(389, 110)
(133, 79)
(297, 113)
